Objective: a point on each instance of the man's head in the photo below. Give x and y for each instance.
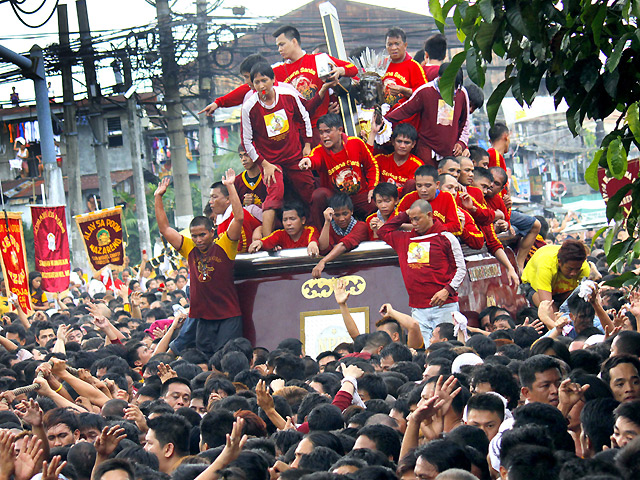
(214, 428)
(288, 42)
(540, 378)
(403, 139)
(421, 216)
(581, 312)
(16, 333)
(435, 48)
(626, 341)
(293, 218)
(61, 427)
(181, 281)
(202, 233)
(396, 42)
(168, 440)
(376, 341)
(622, 374)
(448, 183)
(571, 257)
(330, 131)
(263, 78)
(485, 411)
(597, 421)
(391, 327)
(450, 165)
(381, 438)
(44, 332)
(443, 332)
(245, 158)
(483, 180)
(479, 156)
(246, 66)
(476, 97)
(138, 354)
(385, 195)
(393, 353)
(437, 456)
(499, 180)
(219, 198)
(342, 209)
(427, 182)
(627, 424)
(467, 169)
(499, 137)
(114, 469)
(176, 392)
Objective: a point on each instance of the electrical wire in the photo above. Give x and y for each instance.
(31, 12)
(17, 9)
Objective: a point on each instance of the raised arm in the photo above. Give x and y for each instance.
(341, 295)
(234, 232)
(414, 335)
(170, 234)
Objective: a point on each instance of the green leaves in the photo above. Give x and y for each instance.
(632, 118)
(617, 158)
(474, 67)
(591, 173)
(493, 104)
(447, 81)
(614, 58)
(436, 12)
(614, 202)
(596, 24)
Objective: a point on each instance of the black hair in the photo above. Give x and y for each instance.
(201, 221)
(444, 454)
(330, 382)
(629, 410)
(487, 402)
(477, 153)
(294, 205)
(446, 330)
(387, 439)
(426, 171)
(405, 130)
(325, 417)
(215, 426)
(289, 366)
(597, 421)
(233, 363)
(22, 333)
(111, 465)
(263, 69)
(331, 120)
(613, 362)
(531, 462)
(536, 364)
(248, 63)
(386, 189)
(476, 97)
(397, 351)
(483, 345)
(468, 435)
(545, 343)
(171, 381)
(500, 379)
(497, 130)
(319, 459)
(171, 428)
(138, 455)
(483, 173)
(289, 31)
(396, 32)
(373, 384)
(341, 200)
(436, 47)
(418, 56)
(628, 342)
(500, 174)
(548, 417)
(59, 416)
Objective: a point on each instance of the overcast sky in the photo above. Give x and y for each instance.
(125, 14)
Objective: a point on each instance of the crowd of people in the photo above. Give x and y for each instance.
(146, 375)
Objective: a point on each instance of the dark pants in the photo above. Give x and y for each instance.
(208, 336)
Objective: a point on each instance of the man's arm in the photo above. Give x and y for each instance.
(325, 233)
(501, 256)
(234, 232)
(413, 105)
(341, 295)
(170, 234)
(335, 252)
(391, 226)
(414, 335)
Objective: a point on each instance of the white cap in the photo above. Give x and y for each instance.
(465, 359)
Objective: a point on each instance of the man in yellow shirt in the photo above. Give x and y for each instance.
(554, 271)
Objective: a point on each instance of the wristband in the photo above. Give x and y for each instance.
(59, 388)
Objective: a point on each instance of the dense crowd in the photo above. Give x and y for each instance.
(145, 374)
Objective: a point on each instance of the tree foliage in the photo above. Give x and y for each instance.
(583, 52)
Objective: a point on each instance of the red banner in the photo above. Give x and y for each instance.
(609, 185)
(14, 258)
(52, 247)
(103, 237)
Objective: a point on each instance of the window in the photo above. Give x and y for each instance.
(114, 132)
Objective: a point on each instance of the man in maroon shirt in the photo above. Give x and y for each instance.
(273, 120)
(341, 231)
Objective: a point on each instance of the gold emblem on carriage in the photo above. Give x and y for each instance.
(323, 287)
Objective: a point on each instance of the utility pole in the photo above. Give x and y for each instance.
(184, 206)
(136, 159)
(204, 92)
(95, 107)
(71, 139)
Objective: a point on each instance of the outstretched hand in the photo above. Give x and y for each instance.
(108, 440)
(162, 187)
(229, 177)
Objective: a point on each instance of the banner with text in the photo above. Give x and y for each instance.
(52, 247)
(14, 258)
(103, 237)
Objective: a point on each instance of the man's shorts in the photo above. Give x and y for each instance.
(521, 223)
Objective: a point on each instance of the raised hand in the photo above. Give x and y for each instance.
(351, 371)
(328, 214)
(340, 292)
(62, 332)
(165, 372)
(29, 458)
(52, 470)
(229, 177)
(446, 390)
(235, 441)
(386, 310)
(30, 412)
(108, 440)
(569, 394)
(7, 454)
(427, 409)
(264, 398)
(162, 187)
